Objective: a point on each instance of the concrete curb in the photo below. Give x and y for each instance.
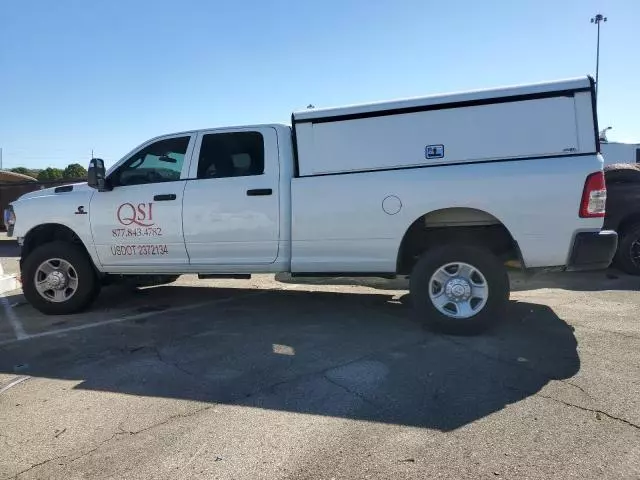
(8, 283)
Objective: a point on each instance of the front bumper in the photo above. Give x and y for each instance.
(593, 250)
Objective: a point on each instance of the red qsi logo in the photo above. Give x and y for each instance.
(141, 214)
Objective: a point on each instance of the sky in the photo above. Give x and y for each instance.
(77, 75)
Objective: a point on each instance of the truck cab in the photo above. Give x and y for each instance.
(193, 201)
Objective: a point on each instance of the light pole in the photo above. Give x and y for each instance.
(599, 18)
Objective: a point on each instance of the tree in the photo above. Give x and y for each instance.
(25, 171)
(74, 171)
(50, 174)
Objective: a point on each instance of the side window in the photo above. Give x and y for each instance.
(159, 162)
(236, 154)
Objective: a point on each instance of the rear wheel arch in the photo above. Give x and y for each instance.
(628, 222)
(455, 225)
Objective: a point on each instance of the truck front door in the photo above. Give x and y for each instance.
(231, 204)
(139, 221)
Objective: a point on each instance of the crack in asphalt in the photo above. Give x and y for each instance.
(271, 387)
(83, 454)
(352, 392)
(510, 363)
(121, 431)
(175, 365)
(524, 366)
(592, 410)
(567, 382)
(580, 407)
(100, 444)
(172, 417)
(575, 385)
(612, 332)
(323, 373)
(35, 465)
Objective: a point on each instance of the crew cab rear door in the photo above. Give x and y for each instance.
(231, 201)
(138, 222)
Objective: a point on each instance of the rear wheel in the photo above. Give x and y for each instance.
(459, 289)
(58, 278)
(628, 254)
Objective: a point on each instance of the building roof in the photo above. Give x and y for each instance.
(13, 177)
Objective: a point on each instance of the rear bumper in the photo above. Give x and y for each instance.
(593, 250)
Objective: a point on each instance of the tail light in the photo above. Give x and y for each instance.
(594, 196)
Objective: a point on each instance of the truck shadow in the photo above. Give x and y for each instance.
(610, 279)
(354, 356)
(9, 248)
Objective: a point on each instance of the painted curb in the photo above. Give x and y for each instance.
(8, 283)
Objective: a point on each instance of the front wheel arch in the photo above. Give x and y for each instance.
(47, 233)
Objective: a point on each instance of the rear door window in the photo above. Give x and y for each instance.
(237, 154)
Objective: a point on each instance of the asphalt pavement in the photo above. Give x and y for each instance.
(278, 379)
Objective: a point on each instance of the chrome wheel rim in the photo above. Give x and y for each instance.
(56, 280)
(458, 290)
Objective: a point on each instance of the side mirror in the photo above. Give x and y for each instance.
(96, 174)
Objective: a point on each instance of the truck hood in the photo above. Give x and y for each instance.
(59, 190)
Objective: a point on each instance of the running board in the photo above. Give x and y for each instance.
(238, 276)
(386, 275)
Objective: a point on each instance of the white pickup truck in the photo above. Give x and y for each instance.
(445, 188)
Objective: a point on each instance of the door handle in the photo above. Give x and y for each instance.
(165, 198)
(259, 191)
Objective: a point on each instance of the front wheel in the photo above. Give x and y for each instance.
(459, 289)
(58, 278)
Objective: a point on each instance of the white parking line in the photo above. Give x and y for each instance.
(111, 321)
(14, 321)
(14, 383)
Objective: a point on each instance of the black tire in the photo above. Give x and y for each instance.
(627, 256)
(482, 260)
(88, 285)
